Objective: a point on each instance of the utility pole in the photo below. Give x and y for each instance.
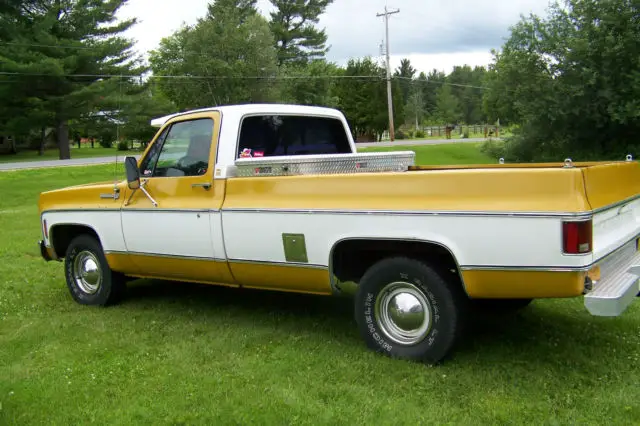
(386, 14)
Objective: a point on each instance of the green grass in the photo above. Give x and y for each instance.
(455, 153)
(176, 353)
(53, 154)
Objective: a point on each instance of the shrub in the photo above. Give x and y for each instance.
(123, 146)
(106, 143)
(400, 135)
(494, 149)
(465, 135)
(419, 134)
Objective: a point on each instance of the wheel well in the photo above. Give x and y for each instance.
(62, 235)
(350, 259)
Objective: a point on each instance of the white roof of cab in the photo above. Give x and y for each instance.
(257, 109)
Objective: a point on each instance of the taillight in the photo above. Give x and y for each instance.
(577, 237)
(45, 229)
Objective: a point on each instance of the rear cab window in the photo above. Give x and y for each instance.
(285, 135)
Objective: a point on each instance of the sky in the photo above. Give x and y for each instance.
(433, 34)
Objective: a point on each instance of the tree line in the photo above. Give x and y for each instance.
(568, 83)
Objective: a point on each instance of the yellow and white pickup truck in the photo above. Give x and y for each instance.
(277, 197)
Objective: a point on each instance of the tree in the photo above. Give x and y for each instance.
(447, 105)
(405, 72)
(364, 100)
(414, 109)
(62, 57)
(310, 85)
(571, 80)
(429, 84)
(466, 89)
(295, 36)
(227, 57)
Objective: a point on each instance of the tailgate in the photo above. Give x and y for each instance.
(613, 191)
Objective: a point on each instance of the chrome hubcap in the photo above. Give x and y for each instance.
(86, 272)
(403, 313)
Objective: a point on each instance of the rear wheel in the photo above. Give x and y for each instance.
(89, 278)
(406, 309)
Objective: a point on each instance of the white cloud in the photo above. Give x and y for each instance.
(433, 34)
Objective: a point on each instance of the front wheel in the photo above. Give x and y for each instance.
(89, 278)
(406, 309)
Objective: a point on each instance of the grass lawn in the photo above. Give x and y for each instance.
(52, 154)
(455, 153)
(176, 353)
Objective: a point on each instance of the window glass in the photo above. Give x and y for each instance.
(183, 152)
(146, 168)
(272, 135)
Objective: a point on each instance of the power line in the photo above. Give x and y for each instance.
(55, 46)
(190, 78)
(443, 83)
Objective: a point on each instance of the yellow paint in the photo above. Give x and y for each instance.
(494, 190)
(522, 284)
(82, 197)
(181, 269)
(249, 275)
(51, 252)
(610, 183)
(282, 277)
(507, 165)
(178, 192)
(594, 273)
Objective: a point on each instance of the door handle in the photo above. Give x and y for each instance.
(205, 185)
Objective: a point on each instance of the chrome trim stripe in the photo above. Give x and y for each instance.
(118, 209)
(616, 204)
(581, 215)
(219, 260)
(525, 268)
(272, 263)
(585, 215)
(165, 210)
(170, 256)
(480, 213)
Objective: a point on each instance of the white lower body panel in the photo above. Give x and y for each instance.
(475, 241)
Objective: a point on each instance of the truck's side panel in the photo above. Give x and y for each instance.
(175, 239)
(477, 242)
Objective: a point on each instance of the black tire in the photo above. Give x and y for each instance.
(111, 286)
(445, 305)
(500, 306)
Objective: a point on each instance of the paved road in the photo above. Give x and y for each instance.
(420, 142)
(59, 163)
(106, 160)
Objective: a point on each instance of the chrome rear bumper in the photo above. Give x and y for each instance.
(618, 285)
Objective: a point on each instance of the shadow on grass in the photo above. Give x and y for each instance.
(543, 335)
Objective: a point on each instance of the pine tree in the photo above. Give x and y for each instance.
(63, 58)
(293, 26)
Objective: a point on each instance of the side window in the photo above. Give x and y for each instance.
(272, 135)
(184, 151)
(146, 168)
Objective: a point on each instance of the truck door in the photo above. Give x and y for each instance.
(167, 223)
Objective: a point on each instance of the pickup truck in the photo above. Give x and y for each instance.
(277, 197)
